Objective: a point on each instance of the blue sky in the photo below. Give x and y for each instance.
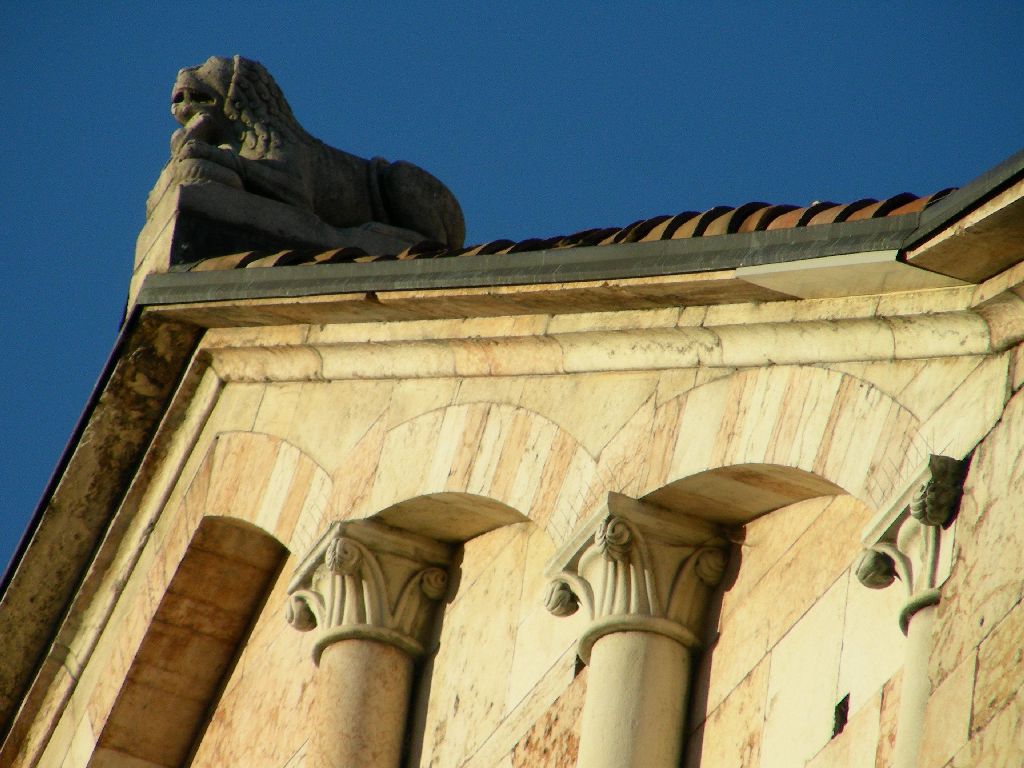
(543, 118)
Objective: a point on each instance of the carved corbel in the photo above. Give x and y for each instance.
(912, 541)
(367, 580)
(638, 567)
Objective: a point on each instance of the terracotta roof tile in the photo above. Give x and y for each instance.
(591, 236)
(731, 222)
(760, 219)
(894, 203)
(788, 220)
(720, 224)
(338, 255)
(717, 221)
(851, 208)
(419, 250)
(826, 215)
(644, 229)
(533, 244)
(672, 225)
(882, 208)
(623, 233)
(496, 246)
(231, 261)
(866, 212)
(636, 231)
(705, 219)
(920, 203)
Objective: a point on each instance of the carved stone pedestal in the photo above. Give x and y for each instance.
(191, 222)
(643, 575)
(369, 592)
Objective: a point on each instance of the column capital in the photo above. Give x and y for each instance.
(912, 540)
(638, 567)
(364, 579)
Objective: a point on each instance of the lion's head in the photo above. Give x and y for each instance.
(235, 101)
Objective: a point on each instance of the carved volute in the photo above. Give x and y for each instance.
(638, 567)
(367, 580)
(912, 541)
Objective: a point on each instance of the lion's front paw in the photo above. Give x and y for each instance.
(196, 150)
(200, 150)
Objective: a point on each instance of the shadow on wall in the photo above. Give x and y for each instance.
(192, 643)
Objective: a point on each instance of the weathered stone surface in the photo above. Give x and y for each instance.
(554, 741)
(731, 734)
(856, 745)
(272, 679)
(888, 720)
(191, 642)
(121, 423)
(987, 580)
(470, 672)
(802, 690)
(1017, 367)
(367, 581)
(238, 130)
(490, 430)
(948, 716)
(760, 614)
(636, 567)
(1001, 652)
(541, 639)
(1000, 744)
(873, 646)
(193, 221)
(502, 740)
(361, 705)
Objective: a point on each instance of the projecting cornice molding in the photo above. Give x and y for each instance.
(636, 567)
(366, 580)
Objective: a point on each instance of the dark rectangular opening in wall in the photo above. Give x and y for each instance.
(580, 666)
(842, 715)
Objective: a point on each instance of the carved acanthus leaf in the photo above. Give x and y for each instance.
(560, 599)
(911, 541)
(937, 499)
(364, 579)
(639, 566)
(875, 570)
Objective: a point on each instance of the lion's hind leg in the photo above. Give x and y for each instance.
(416, 200)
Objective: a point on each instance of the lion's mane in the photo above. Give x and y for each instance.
(255, 100)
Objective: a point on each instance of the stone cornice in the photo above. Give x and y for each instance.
(366, 580)
(637, 567)
(946, 334)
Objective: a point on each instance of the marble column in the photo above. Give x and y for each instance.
(912, 542)
(369, 592)
(643, 575)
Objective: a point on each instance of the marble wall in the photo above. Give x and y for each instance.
(502, 464)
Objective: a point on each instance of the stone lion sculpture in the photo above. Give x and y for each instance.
(237, 129)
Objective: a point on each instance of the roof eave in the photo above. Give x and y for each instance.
(545, 267)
